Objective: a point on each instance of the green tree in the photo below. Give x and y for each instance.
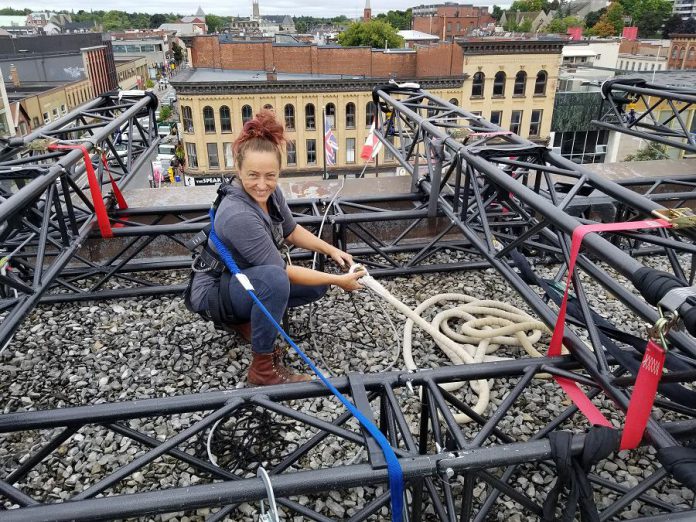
(149, 84)
(603, 29)
(374, 33)
(178, 53)
(525, 26)
(9, 11)
(114, 21)
(511, 24)
(672, 25)
(524, 6)
(688, 27)
(593, 17)
(615, 16)
(561, 25)
(650, 15)
(398, 19)
(497, 13)
(654, 151)
(156, 20)
(165, 113)
(215, 23)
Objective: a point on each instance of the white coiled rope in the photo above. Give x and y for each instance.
(488, 324)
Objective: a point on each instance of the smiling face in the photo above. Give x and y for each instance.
(259, 173)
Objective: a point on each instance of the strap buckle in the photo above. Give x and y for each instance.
(677, 217)
(662, 326)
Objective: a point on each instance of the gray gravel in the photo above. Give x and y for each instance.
(142, 348)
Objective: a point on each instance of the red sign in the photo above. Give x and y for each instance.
(630, 33)
(575, 33)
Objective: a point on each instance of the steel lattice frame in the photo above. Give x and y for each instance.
(501, 195)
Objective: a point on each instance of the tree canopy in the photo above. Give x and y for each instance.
(648, 15)
(400, 20)
(561, 25)
(374, 33)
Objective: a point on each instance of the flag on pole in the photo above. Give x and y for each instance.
(330, 143)
(372, 145)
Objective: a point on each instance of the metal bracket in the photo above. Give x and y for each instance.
(678, 217)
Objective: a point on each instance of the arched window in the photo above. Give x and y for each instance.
(370, 113)
(289, 116)
(691, 53)
(350, 115)
(247, 113)
(479, 81)
(331, 115)
(520, 83)
(225, 119)
(499, 84)
(208, 119)
(540, 83)
(681, 53)
(674, 52)
(187, 116)
(454, 101)
(310, 117)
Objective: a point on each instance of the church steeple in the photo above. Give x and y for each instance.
(367, 12)
(255, 10)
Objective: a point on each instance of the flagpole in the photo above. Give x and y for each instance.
(323, 130)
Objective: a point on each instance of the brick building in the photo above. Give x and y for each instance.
(682, 51)
(511, 82)
(450, 20)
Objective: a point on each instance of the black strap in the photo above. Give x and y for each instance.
(680, 463)
(600, 441)
(215, 299)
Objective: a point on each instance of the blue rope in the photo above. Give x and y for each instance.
(396, 476)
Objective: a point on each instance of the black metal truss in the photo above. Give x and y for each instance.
(46, 210)
(648, 124)
(432, 461)
(498, 195)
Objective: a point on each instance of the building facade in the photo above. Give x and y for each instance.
(682, 52)
(450, 20)
(512, 83)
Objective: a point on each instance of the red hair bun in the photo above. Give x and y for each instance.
(263, 127)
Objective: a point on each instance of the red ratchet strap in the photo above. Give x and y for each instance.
(120, 200)
(649, 374)
(94, 188)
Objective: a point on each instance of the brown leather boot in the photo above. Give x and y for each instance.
(264, 371)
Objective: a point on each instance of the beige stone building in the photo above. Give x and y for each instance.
(512, 83)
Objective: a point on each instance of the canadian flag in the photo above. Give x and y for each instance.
(372, 145)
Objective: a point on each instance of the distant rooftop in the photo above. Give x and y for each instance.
(411, 35)
(202, 75)
(671, 78)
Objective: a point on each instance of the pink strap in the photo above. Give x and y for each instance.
(569, 386)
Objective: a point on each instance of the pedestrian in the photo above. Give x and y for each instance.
(254, 222)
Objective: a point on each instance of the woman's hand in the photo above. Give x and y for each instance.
(349, 282)
(341, 258)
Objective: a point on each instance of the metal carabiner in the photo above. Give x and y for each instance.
(272, 515)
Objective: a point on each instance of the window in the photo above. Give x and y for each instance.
(478, 82)
(63, 110)
(213, 158)
(516, 122)
(640, 65)
(499, 84)
(291, 153)
(350, 150)
(331, 115)
(208, 119)
(459, 27)
(192, 156)
(681, 53)
(449, 27)
(225, 119)
(187, 115)
(350, 115)
(247, 114)
(535, 124)
(55, 113)
(520, 83)
(454, 101)
(47, 118)
(311, 152)
(540, 84)
(370, 114)
(35, 122)
(496, 117)
(310, 117)
(229, 158)
(674, 52)
(289, 112)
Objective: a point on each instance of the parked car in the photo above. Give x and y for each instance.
(165, 153)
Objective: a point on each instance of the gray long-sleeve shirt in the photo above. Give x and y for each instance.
(252, 236)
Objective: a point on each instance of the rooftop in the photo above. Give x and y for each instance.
(200, 75)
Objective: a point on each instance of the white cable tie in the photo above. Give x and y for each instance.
(244, 280)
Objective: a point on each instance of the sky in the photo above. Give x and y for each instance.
(318, 8)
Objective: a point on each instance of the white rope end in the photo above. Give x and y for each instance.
(244, 280)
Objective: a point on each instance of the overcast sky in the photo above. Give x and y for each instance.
(319, 8)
